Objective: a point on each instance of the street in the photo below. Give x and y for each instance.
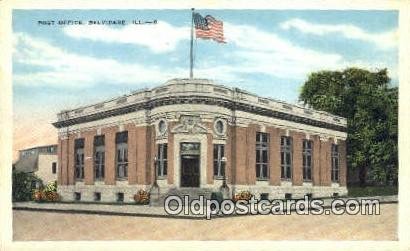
(32, 225)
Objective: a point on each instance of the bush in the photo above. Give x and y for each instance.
(48, 193)
(244, 195)
(142, 197)
(23, 185)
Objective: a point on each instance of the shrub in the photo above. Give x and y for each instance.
(23, 185)
(243, 195)
(141, 197)
(48, 193)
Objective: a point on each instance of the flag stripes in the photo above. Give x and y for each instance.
(208, 28)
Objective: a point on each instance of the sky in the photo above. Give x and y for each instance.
(267, 52)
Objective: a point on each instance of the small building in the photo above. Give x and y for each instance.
(40, 160)
(192, 134)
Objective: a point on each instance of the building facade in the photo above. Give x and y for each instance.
(193, 133)
(40, 160)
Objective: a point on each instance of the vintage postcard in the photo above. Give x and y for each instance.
(203, 122)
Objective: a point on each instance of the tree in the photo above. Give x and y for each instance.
(23, 185)
(370, 105)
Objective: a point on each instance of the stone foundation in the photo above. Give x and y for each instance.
(109, 192)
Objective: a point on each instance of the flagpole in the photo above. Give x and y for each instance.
(191, 56)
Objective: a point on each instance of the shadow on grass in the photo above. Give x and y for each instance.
(357, 191)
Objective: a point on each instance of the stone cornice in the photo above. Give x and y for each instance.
(232, 104)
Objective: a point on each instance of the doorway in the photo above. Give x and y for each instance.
(190, 171)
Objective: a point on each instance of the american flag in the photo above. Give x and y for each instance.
(209, 28)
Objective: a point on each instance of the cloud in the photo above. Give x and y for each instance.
(61, 68)
(265, 52)
(159, 38)
(383, 40)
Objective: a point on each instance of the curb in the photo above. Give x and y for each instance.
(390, 200)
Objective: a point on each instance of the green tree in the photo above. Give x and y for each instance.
(23, 185)
(370, 105)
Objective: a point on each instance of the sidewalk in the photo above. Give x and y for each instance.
(142, 210)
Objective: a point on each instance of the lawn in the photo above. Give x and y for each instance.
(357, 191)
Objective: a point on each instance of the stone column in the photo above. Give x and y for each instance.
(297, 144)
(89, 157)
(274, 156)
(343, 162)
(110, 149)
(142, 152)
(132, 153)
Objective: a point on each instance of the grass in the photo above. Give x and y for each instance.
(357, 191)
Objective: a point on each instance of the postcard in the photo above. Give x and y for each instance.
(203, 122)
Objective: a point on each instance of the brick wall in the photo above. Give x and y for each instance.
(297, 165)
(343, 162)
(316, 170)
(274, 156)
(89, 156)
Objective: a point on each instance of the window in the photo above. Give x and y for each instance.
(120, 197)
(162, 162)
(286, 157)
(54, 167)
(262, 149)
(219, 164)
(97, 196)
(264, 196)
(288, 196)
(307, 159)
(99, 157)
(162, 127)
(335, 163)
(219, 127)
(122, 155)
(77, 196)
(79, 159)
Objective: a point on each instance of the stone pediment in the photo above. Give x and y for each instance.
(190, 124)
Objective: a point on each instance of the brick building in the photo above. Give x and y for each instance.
(194, 133)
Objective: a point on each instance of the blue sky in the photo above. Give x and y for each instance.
(268, 52)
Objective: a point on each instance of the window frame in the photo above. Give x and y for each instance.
(286, 155)
(335, 162)
(219, 166)
(99, 158)
(79, 159)
(121, 155)
(261, 149)
(162, 162)
(54, 167)
(307, 166)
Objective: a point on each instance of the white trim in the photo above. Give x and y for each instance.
(195, 138)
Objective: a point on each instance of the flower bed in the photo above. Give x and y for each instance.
(243, 195)
(47, 194)
(142, 197)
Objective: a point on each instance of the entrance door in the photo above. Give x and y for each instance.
(190, 171)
